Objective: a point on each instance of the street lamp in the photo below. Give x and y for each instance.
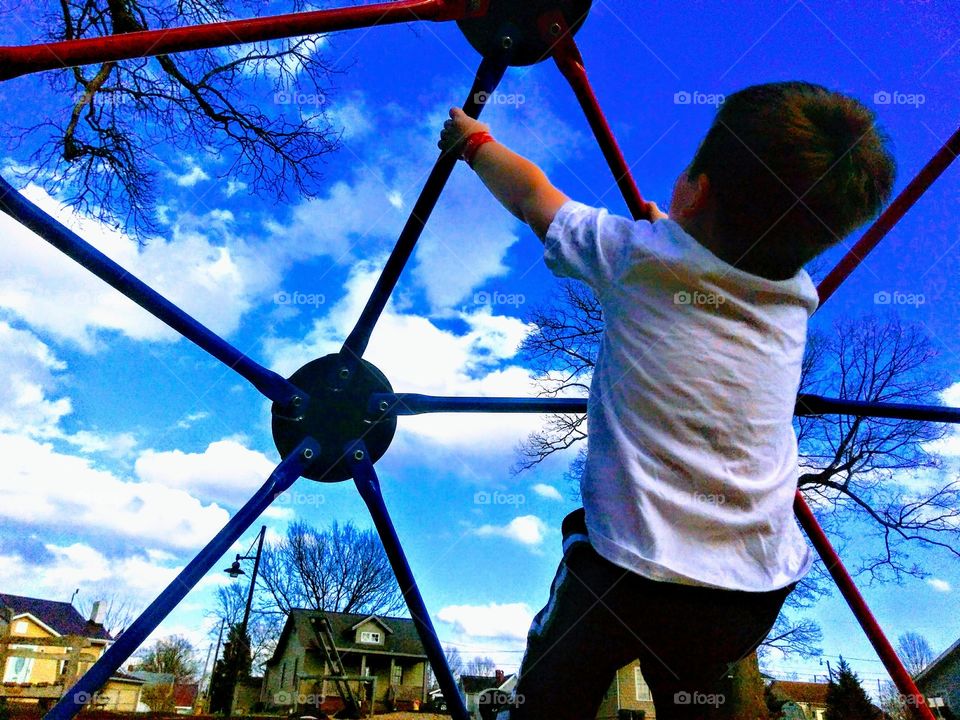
(236, 571)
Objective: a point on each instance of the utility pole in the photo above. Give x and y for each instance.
(236, 571)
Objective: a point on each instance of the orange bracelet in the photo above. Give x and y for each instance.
(474, 141)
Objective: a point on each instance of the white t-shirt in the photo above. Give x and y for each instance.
(692, 458)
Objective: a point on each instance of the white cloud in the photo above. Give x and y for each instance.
(41, 486)
(547, 491)
(194, 174)
(939, 585)
(29, 369)
(465, 242)
(117, 445)
(495, 620)
(527, 530)
(351, 117)
(226, 471)
(203, 268)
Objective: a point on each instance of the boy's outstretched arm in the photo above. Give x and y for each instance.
(517, 183)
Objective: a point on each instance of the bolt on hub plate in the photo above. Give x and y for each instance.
(336, 415)
(512, 25)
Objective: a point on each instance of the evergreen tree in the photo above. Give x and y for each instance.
(846, 699)
(229, 670)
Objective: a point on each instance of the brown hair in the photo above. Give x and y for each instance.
(794, 168)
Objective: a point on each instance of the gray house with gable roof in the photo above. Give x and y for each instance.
(381, 658)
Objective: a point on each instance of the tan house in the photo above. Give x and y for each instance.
(628, 696)
(326, 661)
(45, 645)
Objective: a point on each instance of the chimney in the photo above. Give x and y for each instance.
(97, 612)
(499, 675)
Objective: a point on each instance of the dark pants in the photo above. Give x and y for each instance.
(601, 617)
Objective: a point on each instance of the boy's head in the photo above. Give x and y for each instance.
(786, 170)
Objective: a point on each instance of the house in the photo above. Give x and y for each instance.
(810, 697)
(45, 645)
(940, 682)
(162, 692)
(482, 694)
(326, 660)
(628, 696)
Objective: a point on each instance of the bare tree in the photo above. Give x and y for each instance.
(915, 651)
(880, 470)
(879, 473)
(232, 104)
(481, 666)
(172, 655)
(342, 569)
(263, 628)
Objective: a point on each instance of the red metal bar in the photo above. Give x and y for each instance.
(891, 216)
(568, 59)
(912, 696)
(16, 61)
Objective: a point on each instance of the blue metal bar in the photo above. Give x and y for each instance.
(285, 474)
(817, 405)
(488, 77)
(66, 241)
(416, 404)
(368, 485)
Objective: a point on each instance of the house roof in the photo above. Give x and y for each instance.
(126, 677)
(477, 683)
(937, 661)
(61, 617)
(402, 638)
(154, 678)
(801, 692)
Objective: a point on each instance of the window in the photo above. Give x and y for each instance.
(368, 636)
(18, 669)
(643, 692)
(21, 627)
(397, 678)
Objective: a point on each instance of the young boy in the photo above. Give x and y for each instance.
(687, 546)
